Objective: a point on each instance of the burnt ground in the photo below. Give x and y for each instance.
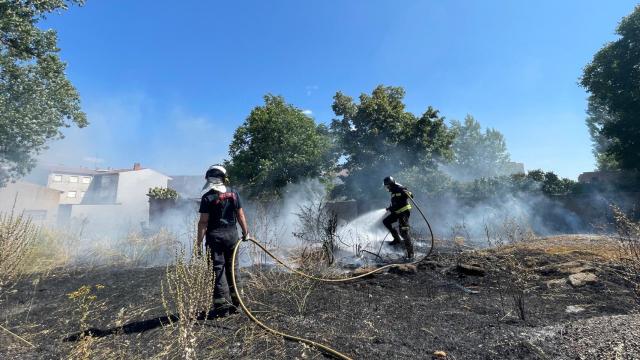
(513, 303)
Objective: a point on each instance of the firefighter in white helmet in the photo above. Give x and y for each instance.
(220, 211)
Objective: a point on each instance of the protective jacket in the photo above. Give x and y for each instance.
(399, 199)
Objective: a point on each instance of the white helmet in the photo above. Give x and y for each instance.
(217, 179)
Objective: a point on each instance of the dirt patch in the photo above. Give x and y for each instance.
(507, 311)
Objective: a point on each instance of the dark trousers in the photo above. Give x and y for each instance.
(220, 244)
(403, 222)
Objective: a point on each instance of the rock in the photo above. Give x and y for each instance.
(472, 270)
(556, 283)
(404, 269)
(439, 354)
(574, 309)
(581, 279)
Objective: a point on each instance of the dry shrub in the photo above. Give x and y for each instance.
(318, 225)
(511, 230)
(136, 249)
(187, 292)
(17, 235)
(53, 248)
(84, 299)
(292, 290)
(628, 235)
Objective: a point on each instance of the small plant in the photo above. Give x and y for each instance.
(160, 193)
(136, 249)
(84, 298)
(628, 236)
(187, 292)
(17, 235)
(628, 233)
(317, 225)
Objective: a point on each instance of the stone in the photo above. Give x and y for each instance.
(439, 354)
(581, 279)
(472, 270)
(574, 309)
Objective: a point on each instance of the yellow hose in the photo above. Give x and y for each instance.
(322, 347)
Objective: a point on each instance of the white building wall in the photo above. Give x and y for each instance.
(35, 201)
(133, 187)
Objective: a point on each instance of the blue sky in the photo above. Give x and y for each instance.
(166, 83)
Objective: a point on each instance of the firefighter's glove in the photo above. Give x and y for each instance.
(409, 194)
(245, 237)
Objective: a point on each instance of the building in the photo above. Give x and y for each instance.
(72, 183)
(115, 198)
(35, 201)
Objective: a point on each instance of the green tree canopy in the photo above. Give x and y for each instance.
(477, 154)
(613, 80)
(277, 145)
(36, 98)
(378, 137)
(597, 117)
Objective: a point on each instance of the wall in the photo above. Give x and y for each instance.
(65, 186)
(132, 192)
(37, 202)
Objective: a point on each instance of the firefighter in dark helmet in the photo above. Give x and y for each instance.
(400, 210)
(220, 211)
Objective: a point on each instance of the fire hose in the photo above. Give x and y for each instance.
(324, 348)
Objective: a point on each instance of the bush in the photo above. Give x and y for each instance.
(160, 193)
(187, 291)
(17, 235)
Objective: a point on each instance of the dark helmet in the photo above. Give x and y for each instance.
(388, 181)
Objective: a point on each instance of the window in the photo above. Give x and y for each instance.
(86, 179)
(73, 179)
(57, 178)
(71, 194)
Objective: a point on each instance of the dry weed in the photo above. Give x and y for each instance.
(318, 225)
(628, 235)
(84, 299)
(187, 292)
(17, 235)
(135, 249)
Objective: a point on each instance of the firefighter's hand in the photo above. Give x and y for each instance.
(246, 237)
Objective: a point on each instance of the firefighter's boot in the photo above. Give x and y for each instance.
(396, 238)
(408, 244)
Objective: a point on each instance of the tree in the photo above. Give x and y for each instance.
(278, 145)
(477, 154)
(379, 138)
(597, 117)
(36, 98)
(613, 81)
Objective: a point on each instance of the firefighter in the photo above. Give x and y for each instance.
(220, 211)
(400, 210)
